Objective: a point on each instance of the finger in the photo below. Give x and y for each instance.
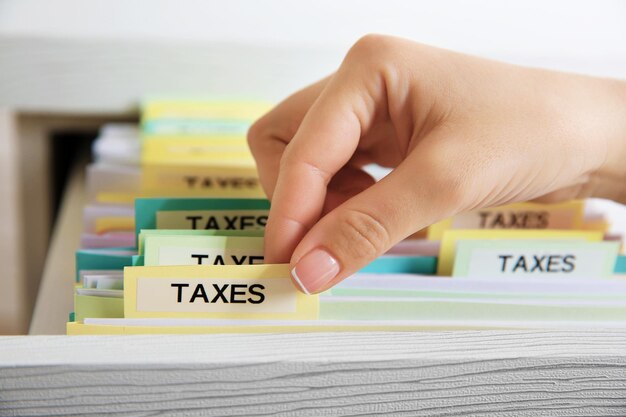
(325, 141)
(419, 192)
(268, 136)
(347, 183)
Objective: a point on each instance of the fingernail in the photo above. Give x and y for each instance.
(314, 270)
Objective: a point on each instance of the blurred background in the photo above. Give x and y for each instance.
(69, 66)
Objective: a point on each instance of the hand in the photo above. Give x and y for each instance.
(460, 132)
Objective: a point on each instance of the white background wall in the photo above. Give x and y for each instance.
(97, 56)
(585, 35)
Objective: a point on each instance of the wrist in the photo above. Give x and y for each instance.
(610, 180)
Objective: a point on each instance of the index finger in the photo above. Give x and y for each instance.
(268, 136)
(325, 141)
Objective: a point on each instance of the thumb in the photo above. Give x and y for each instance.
(419, 192)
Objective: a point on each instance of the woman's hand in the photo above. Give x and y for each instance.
(460, 131)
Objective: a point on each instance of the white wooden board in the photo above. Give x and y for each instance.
(430, 374)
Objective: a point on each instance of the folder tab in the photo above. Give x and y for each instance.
(230, 291)
(447, 251)
(561, 216)
(534, 259)
(212, 219)
(201, 213)
(203, 250)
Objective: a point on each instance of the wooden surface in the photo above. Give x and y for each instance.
(25, 214)
(56, 291)
(13, 318)
(430, 374)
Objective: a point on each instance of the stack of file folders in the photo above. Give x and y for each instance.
(173, 243)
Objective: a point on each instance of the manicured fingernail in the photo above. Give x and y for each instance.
(314, 270)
